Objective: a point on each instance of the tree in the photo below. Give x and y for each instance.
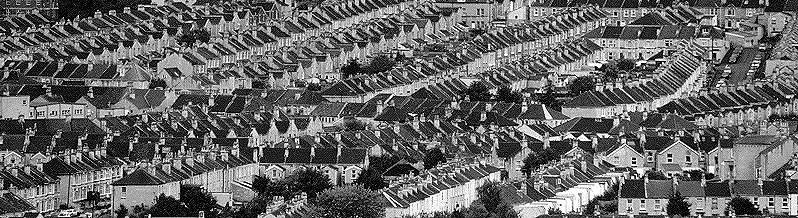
(693, 175)
(309, 181)
(197, 199)
(157, 83)
(379, 64)
(743, 206)
(554, 211)
(93, 196)
(348, 201)
(121, 212)
(582, 84)
(433, 157)
(436, 47)
(371, 179)
(188, 39)
(610, 70)
(655, 175)
(353, 125)
(489, 194)
(536, 159)
(202, 35)
(677, 205)
(350, 69)
(477, 92)
(168, 206)
(505, 94)
(626, 64)
(549, 98)
(260, 184)
(314, 87)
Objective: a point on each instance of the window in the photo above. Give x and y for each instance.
(24, 102)
(771, 202)
(716, 160)
(78, 111)
(634, 161)
(632, 13)
(53, 113)
(714, 203)
(749, 12)
(700, 203)
(784, 203)
(688, 159)
(124, 192)
(657, 205)
(669, 158)
(730, 12)
(642, 204)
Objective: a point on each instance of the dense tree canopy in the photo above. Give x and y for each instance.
(536, 159)
(371, 178)
(477, 91)
(352, 124)
(348, 201)
(743, 206)
(549, 98)
(168, 206)
(309, 181)
(197, 199)
(351, 68)
(433, 157)
(505, 94)
(194, 36)
(655, 175)
(582, 84)
(677, 205)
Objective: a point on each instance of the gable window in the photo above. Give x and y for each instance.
(688, 159)
(669, 158)
(634, 161)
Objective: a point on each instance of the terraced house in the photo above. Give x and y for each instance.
(448, 188)
(481, 53)
(669, 81)
(212, 171)
(708, 198)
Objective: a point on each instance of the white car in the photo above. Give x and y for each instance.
(68, 213)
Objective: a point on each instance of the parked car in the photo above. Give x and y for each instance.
(68, 213)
